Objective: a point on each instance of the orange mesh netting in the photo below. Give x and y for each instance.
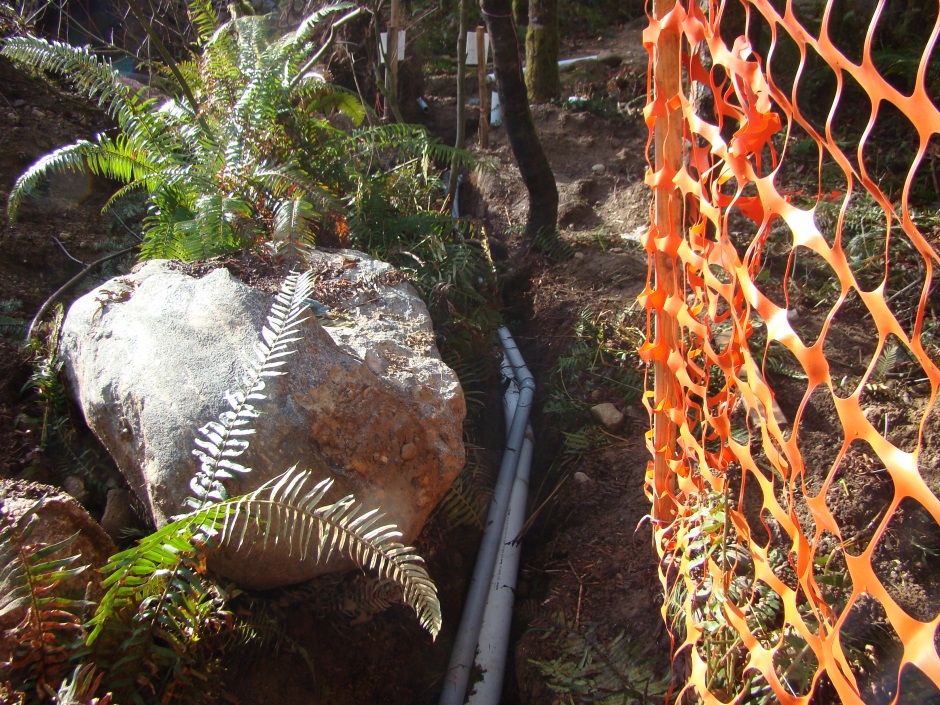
(794, 341)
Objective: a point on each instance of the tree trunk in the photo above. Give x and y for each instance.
(541, 51)
(520, 12)
(461, 97)
(523, 137)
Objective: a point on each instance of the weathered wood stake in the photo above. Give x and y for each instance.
(668, 223)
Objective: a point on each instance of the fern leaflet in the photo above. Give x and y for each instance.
(31, 578)
(224, 439)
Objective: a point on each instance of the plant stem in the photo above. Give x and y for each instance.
(171, 64)
(454, 181)
(329, 42)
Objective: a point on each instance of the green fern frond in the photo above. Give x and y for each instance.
(68, 158)
(162, 234)
(285, 181)
(412, 139)
(14, 585)
(225, 439)
(138, 572)
(287, 511)
(204, 18)
(81, 687)
(157, 604)
(119, 159)
(90, 76)
(251, 34)
(468, 498)
(598, 671)
(553, 246)
(291, 230)
(326, 98)
(308, 26)
(886, 362)
(31, 578)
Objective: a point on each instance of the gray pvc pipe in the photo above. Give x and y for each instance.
(493, 644)
(563, 62)
(468, 633)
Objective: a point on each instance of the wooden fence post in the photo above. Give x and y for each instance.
(391, 59)
(668, 222)
(484, 91)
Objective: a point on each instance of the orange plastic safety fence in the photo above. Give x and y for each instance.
(794, 336)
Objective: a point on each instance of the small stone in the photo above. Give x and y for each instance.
(581, 478)
(408, 452)
(616, 250)
(607, 415)
(579, 255)
(13, 118)
(118, 513)
(19, 103)
(74, 485)
(375, 363)
(599, 169)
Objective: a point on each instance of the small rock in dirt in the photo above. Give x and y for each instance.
(19, 103)
(118, 513)
(13, 118)
(576, 215)
(579, 255)
(616, 250)
(607, 415)
(74, 486)
(599, 169)
(581, 478)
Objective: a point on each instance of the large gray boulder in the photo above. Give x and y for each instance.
(366, 398)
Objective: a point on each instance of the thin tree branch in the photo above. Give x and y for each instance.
(48, 303)
(66, 252)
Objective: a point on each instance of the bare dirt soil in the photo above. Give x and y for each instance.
(589, 585)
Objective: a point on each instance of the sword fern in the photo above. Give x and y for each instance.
(258, 162)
